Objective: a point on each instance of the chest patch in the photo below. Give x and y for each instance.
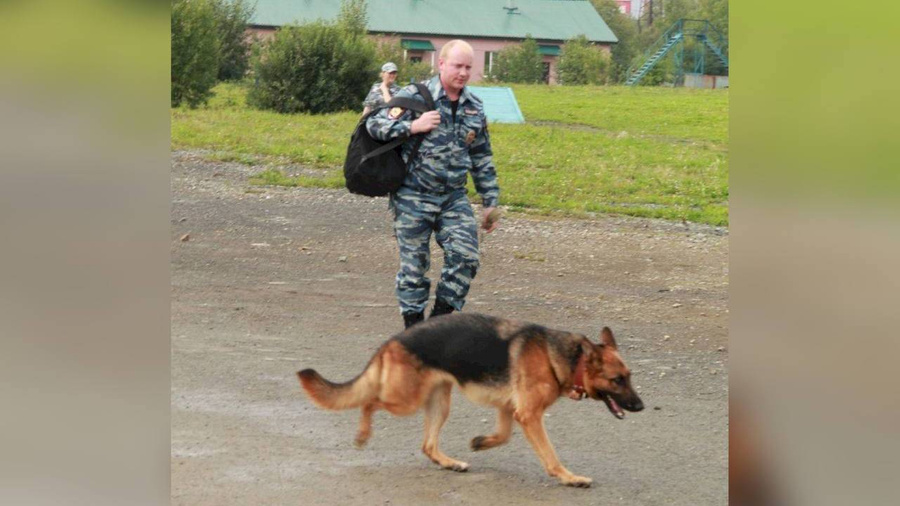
(470, 112)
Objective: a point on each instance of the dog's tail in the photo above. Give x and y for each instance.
(337, 396)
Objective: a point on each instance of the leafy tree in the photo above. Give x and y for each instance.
(353, 17)
(195, 51)
(580, 62)
(232, 17)
(318, 67)
(625, 29)
(519, 63)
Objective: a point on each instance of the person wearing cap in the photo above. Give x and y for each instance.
(383, 90)
(432, 200)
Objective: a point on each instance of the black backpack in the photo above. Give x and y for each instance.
(374, 168)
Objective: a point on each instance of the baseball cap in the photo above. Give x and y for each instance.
(389, 67)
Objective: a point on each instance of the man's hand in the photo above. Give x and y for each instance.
(426, 122)
(491, 219)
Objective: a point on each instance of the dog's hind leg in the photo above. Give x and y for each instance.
(504, 429)
(365, 425)
(437, 407)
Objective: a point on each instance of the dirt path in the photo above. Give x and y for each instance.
(272, 280)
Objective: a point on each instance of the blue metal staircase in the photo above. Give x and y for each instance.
(659, 49)
(701, 29)
(716, 50)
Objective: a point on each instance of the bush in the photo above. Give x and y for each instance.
(195, 51)
(661, 73)
(317, 68)
(406, 70)
(232, 17)
(519, 63)
(580, 62)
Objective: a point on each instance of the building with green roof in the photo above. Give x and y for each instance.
(424, 26)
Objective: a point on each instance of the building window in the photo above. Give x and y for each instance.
(488, 63)
(414, 56)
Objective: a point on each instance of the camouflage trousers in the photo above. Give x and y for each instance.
(450, 217)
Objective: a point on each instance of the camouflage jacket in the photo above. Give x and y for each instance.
(450, 151)
(375, 98)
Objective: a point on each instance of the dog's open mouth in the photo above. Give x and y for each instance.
(613, 406)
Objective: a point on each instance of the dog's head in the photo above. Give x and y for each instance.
(607, 378)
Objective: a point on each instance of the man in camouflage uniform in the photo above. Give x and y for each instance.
(383, 90)
(433, 195)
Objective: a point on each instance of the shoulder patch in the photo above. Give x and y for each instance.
(395, 112)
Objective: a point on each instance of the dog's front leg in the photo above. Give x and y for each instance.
(533, 426)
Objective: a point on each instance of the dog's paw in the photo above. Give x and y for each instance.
(361, 440)
(578, 481)
(459, 467)
(477, 443)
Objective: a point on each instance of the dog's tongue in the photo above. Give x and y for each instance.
(616, 410)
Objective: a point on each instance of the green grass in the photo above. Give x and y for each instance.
(651, 152)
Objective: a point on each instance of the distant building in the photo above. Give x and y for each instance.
(424, 26)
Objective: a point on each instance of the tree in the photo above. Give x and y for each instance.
(195, 51)
(318, 67)
(580, 62)
(625, 29)
(232, 17)
(519, 63)
(353, 17)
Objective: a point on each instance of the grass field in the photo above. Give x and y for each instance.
(652, 152)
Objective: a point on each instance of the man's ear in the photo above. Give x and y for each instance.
(607, 339)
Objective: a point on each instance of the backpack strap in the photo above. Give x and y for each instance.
(429, 103)
(406, 103)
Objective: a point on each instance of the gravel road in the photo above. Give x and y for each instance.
(267, 281)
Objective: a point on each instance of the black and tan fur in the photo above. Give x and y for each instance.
(519, 368)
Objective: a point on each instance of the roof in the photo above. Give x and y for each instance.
(558, 20)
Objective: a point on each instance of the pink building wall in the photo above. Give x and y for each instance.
(480, 46)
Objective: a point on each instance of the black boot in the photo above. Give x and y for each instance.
(441, 307)
(410, 319)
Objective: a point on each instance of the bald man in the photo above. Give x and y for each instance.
(433, 195)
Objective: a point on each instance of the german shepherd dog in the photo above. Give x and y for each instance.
(519, 368)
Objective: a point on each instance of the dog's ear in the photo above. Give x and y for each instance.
(587, 347)
(607, 339)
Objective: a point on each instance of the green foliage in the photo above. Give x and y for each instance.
(407, 71)
(645, 151)
(580, 62)
(519, 63)
(195, 51)
(353, 17)
(232, 17)
(625, 29)
(319, 67)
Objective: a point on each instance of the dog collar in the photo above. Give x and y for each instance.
(577, 392)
